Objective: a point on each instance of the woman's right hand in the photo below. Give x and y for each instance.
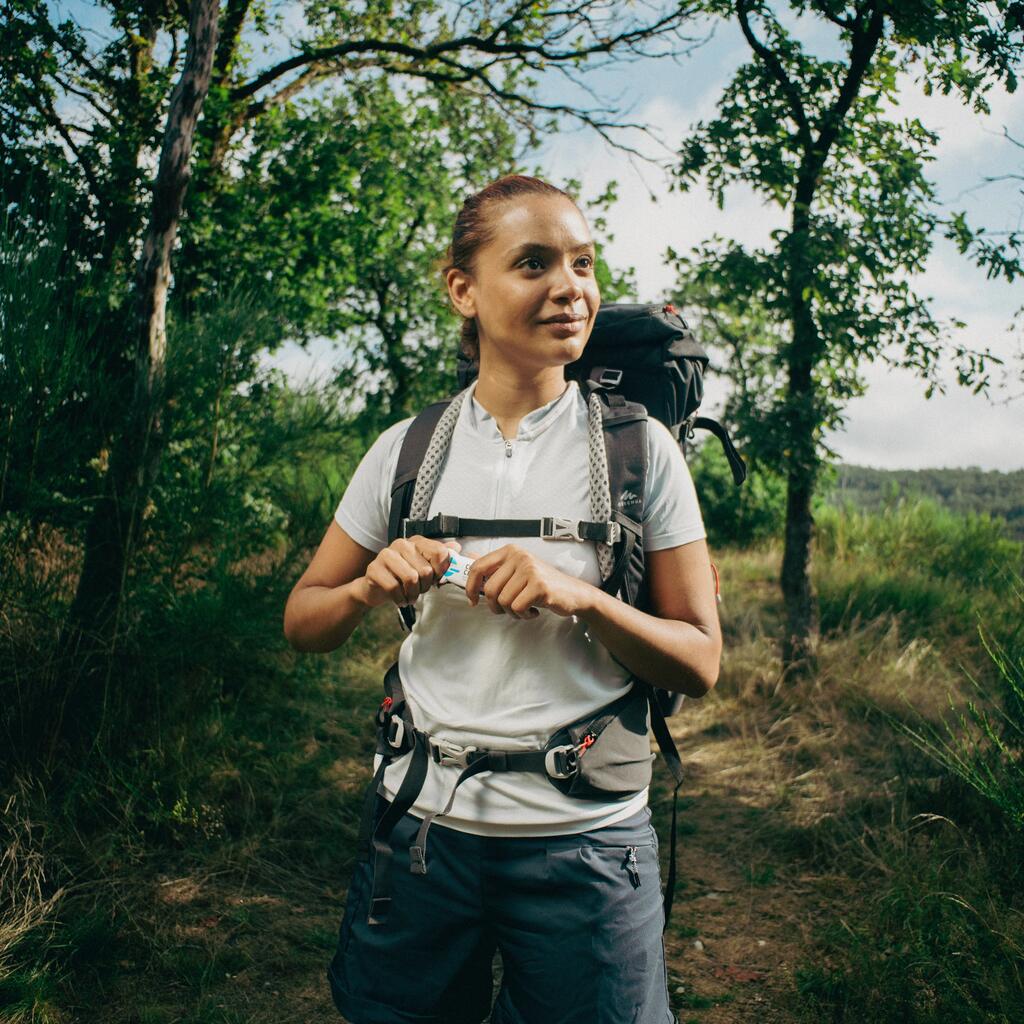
(406, 568)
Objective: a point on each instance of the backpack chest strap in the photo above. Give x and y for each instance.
(547, 528)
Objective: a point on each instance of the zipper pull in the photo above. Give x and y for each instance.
(508, 449)
(631, 866)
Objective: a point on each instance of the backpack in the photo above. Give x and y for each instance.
(640, 360)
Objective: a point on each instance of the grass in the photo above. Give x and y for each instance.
(201, 869)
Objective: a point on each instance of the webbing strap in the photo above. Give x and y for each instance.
(736, 463)
(369, 803)
(668, 749)
(549, 528)
(615, 580)
(483, 761)
(380, 898)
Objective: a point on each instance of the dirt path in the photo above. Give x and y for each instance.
(744, 911)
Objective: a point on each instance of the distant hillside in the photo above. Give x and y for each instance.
(961, 490)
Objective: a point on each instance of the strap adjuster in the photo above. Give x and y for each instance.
(555, 528)
(440, 526)
(394, 731)
(444, 752)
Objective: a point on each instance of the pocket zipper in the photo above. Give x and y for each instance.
(632, 867)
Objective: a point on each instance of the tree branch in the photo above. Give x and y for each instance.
(88, 97)
(774, 65)
(823, 8)
(463, 75)
(862, 48)
(476, 43)
(45, 106)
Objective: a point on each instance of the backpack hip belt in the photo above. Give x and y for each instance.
(618, 767)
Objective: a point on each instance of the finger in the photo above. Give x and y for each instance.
(496, 583)
(509, 598)
(522, 604)
(428, 570)
(477, 575)
(440, 557)
(405, 588)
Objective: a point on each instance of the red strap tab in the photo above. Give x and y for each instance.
(668, 308)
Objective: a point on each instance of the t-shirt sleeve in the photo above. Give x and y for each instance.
(366, 504)
(671, 511)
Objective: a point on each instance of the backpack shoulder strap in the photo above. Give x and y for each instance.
(410, 458)
(625, 438)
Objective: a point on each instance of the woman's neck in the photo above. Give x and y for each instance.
(509, 398)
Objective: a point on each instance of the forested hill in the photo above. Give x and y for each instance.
(960, 490)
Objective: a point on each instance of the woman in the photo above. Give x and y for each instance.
(567, 889)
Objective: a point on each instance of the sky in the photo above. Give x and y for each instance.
(893, 425)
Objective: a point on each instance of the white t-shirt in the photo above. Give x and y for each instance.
(493, 681)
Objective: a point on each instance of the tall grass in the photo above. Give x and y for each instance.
(981, 742)
(933, 569)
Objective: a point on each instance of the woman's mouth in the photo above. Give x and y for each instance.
(566, 327)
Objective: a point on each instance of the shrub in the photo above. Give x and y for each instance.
(744, 515)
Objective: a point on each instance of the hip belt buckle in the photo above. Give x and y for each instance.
(444, 752)
(395, 732)
(562, 762)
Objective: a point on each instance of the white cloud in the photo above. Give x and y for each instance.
(895, 427)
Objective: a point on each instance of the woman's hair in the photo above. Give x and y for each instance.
(472, 231)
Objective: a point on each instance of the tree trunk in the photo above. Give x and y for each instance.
(113, 530)
(801, 626)
(802, 419)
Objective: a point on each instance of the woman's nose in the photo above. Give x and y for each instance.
(566, 283)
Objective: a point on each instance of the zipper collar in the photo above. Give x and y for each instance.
(479, 421)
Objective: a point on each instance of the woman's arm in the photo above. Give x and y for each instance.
(344, 580)
(679, 646)
(329, 600)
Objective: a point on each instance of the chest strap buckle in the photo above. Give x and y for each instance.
(554, 528)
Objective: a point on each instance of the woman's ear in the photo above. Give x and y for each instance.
(460, 289)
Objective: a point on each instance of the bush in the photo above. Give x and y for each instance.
(744, 515)
(933, 568)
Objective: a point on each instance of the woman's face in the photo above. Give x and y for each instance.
(538, 266)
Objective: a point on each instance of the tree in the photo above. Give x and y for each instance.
(93, 119)
(824, 140)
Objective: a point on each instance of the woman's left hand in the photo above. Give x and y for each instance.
(516, 583)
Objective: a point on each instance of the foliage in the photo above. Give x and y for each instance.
(982, 743)
(823, 139)
(47, 367)
(933, 568)
(872, 215)
(741, 516)
(999, 495)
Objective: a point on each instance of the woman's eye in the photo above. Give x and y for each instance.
(535, 263)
